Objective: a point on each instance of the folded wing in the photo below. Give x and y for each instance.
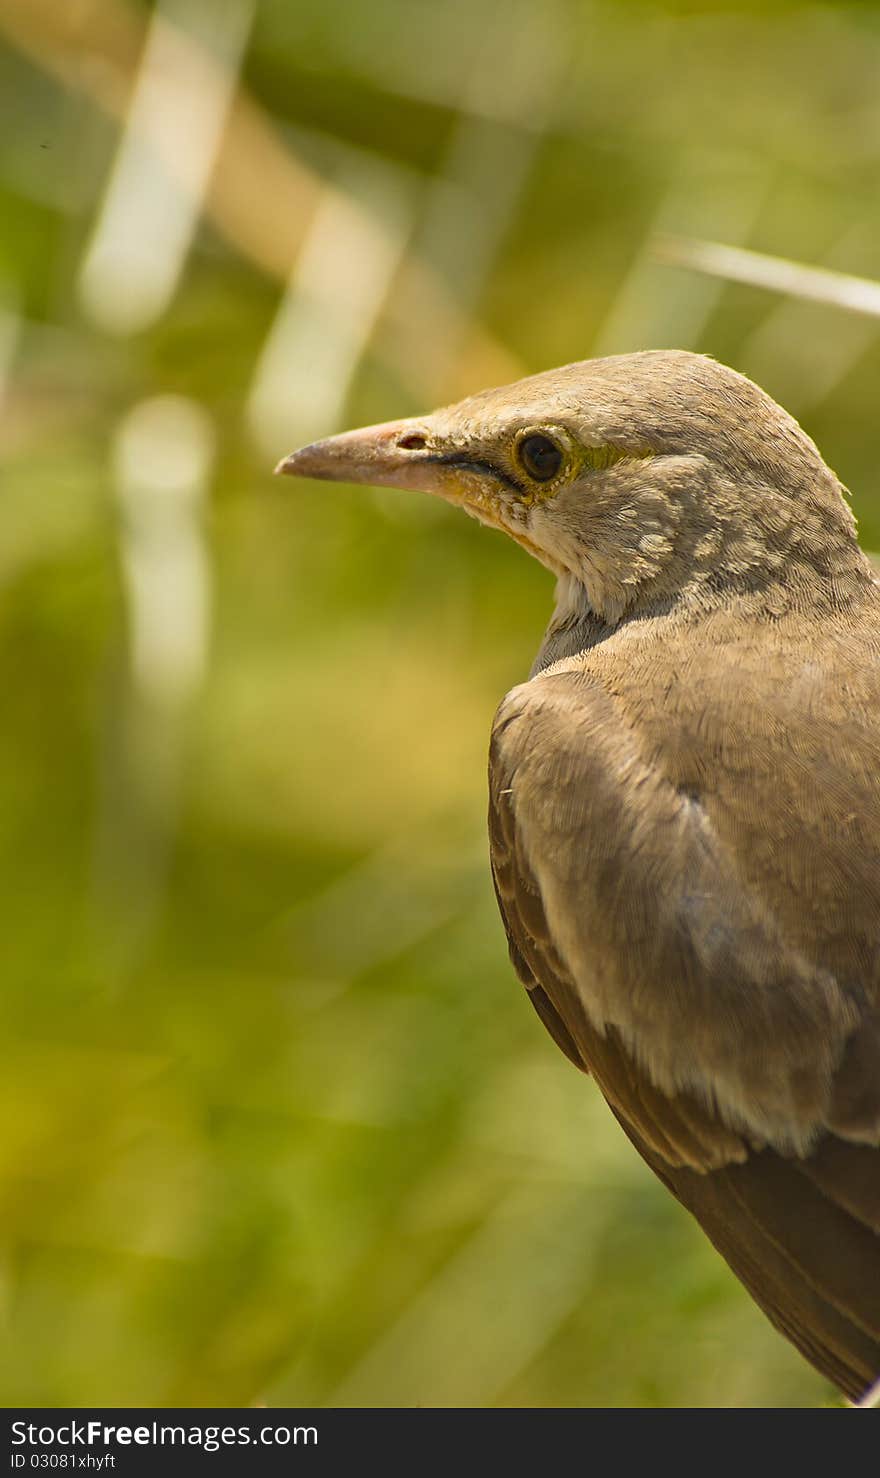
(739, 1064)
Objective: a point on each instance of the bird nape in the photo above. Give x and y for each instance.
(685, 798)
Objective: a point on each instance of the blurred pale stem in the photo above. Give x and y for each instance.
(516, 70)
(646, 313)
(830, 344)
(328, 314)
(260, 195)
(736, 264)
(10, 334)
(149, 216)
(163, 455)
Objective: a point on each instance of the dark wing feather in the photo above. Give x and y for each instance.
(787, 1253)
(802, 1233)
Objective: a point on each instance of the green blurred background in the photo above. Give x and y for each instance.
(278, 1123)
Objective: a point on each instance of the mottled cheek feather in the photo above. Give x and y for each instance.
(488, 507)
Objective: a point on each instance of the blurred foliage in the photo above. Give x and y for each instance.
(279, 1125)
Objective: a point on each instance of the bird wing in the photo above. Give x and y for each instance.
(722, 1048)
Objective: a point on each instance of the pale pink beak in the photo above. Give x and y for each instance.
(394, 454)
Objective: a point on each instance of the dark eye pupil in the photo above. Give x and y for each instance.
(541, 457)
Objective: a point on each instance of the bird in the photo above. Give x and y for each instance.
(684, 797)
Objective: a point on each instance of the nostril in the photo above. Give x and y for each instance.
(415, 442)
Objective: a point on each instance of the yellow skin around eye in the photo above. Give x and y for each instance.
(574, 458)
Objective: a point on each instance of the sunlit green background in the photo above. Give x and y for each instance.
(278, 1123)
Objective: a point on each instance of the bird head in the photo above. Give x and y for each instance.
(636, 479)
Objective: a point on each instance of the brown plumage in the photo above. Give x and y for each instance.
(685, 799)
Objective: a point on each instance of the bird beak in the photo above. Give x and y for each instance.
(419, 454)
(394, 454)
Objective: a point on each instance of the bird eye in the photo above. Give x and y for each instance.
(540, 457)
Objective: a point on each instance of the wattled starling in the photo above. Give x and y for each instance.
(685, 798)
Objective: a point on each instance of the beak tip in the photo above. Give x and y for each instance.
(320, 459)
(379, 455)
(286, 466)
